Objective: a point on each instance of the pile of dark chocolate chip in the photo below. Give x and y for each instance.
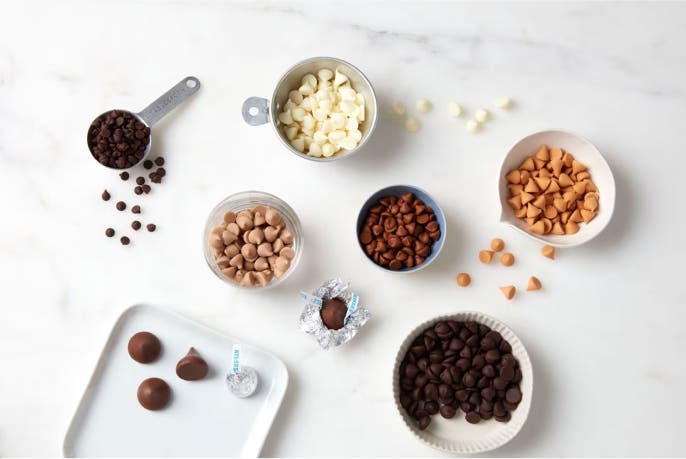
(460, 365)
(118, 139)
(140, 188)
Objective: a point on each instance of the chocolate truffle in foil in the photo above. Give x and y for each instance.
(244, 383)
(311, 318)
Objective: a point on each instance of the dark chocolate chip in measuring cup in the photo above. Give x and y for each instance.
(118, 140)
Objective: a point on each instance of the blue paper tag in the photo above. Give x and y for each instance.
(315, 300)
(236, 367)
(352, 307)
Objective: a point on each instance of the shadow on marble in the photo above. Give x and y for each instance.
(536, 427)
(613, 238)
(386, 141)
(287, 414)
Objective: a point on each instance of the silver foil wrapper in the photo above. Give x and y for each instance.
(311, 320)
(244, 383)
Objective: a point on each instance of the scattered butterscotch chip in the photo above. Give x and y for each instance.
(508, 291)
(497, 244)
(548, 251)
(485, 256)
(534, 284)
(463, 279)
(507, 259)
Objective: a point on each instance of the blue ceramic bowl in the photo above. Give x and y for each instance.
(397, 190)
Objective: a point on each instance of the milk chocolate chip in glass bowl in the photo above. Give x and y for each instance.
(252, 239)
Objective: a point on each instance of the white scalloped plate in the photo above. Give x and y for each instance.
(456, 435)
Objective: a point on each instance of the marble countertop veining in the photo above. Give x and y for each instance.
(605, 333)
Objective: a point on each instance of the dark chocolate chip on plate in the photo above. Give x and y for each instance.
(106, 195)
(121, 205)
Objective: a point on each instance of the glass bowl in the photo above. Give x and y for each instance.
(244, 200)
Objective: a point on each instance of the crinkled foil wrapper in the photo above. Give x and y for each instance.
(311, 321)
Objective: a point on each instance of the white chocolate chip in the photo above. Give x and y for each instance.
(295, 97)
(309, 80)
(455, 109)
(298, 114)
(325, 74)
(285, 117)
(423, 106)
(412, 124)
(339, 79)
(291, 132)
(502, 103)
(328, 150)
(306, 89)
(482, 115)
(473, 126)
(298, 144)
(315, 150)
(398, 108)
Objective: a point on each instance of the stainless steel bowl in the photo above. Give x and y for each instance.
(258, 110)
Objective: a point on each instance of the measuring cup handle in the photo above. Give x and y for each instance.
(262, 114)
(170, 100)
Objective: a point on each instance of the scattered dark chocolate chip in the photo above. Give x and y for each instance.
(136, 209)
(109, 232)
(151, 227)
(147, 164)
(138, 190)
(161, 172)
(144, 347)
(159, 161)
(124, 175)
(124, 240)
(146, 188)
(106, 195)
(136, 225)
(140, 180)
(121, 205)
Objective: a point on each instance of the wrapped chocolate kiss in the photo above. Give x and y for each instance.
(332, 314)
(241, 380)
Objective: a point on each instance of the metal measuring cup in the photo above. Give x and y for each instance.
(151, 114)
(258, 110)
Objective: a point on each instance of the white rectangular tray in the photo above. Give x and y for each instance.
(202, 419)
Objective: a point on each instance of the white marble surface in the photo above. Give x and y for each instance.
(606, 334)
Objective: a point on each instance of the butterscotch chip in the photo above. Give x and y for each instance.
(534, 284)
(543, 182)
(587, 215)
(521, 213)
(557, 228)
(508, 291)
(577, 167)
(543, 153)
(547, 225)
(550, 212)
(567, 159)
(579, 188)
(497, 244)
(565, 180)
(526, 197)
(571, 227)
(485, 256)
(515, 189)
(564, 216)
(524, 177)
(513, 176)
(538, 227)
(556, 166)
(531, 187)
(576, 217)
(560, 204)
(515, 202)
(528, 164)
(545, 173)
(581, 176)
(548, 251)
(507, 259)
(556, 153)
(590, 202)
(590, 186)
(532, 211)
(463, 279)
(540, 201)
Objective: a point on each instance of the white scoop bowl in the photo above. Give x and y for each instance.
(584, 152)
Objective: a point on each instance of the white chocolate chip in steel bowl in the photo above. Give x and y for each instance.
(584, 152)
(456, 435)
